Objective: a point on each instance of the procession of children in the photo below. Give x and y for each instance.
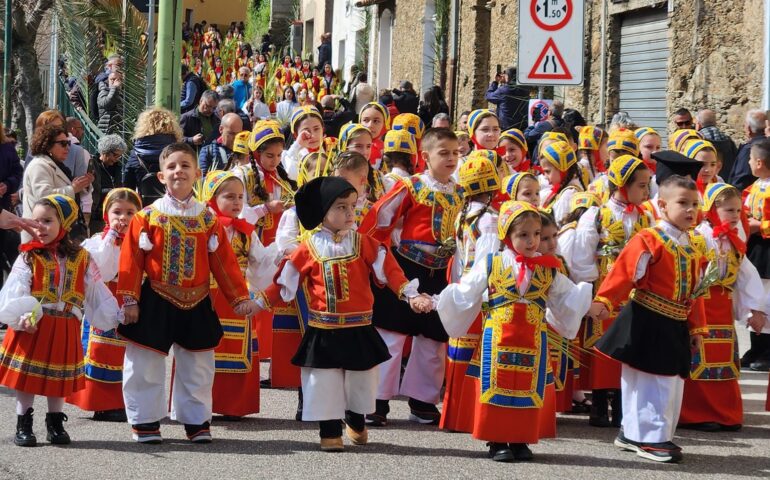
(585, 277)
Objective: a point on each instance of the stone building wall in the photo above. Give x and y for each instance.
(716, 58)
(473, 55)
(408, 32)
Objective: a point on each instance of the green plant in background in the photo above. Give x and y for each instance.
(86, 25)
(257, 21)
(271, 93)
(441, 41)
(363, 38)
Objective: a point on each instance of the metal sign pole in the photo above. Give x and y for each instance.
(7, 65)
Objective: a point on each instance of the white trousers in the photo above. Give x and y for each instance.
(651, 405)
(424, 372)
(144, 381)
(328, 392)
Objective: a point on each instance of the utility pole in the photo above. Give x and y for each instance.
(150, 55)
(53, 73)
(7, 39)
(167, 78)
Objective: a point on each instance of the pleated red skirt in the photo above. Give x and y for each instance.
(459, 393)
(105, 357)
(515, 425)
(47, 362)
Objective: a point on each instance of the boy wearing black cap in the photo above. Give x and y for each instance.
(340, 349)
(668, 163)
(659, 270)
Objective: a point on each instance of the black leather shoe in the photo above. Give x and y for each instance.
(54, 423)
(521, 452)
(701, 427)
(500, 452)
(24, 436)
(601, 421)
(118, 415)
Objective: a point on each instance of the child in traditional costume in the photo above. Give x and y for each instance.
(375, 117)
(476, 238)
(513, 150)
(340, 349)
(712, 397)
(562, 174)
(235, 392)
(601, 234)
(104, 350)
(52, 284)
(168, 256)
(659, 269)
(428, 204)
(512, 289)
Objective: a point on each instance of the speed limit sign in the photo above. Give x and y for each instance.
(550, 42)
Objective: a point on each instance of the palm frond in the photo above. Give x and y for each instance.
(96, 28)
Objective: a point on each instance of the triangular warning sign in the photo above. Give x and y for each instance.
(550, 65)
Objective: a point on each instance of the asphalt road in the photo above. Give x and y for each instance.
(273, 445)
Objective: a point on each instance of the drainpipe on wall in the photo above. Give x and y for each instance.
(603, 64)
(454, 28)
(766, 96)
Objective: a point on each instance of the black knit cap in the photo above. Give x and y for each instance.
(316, 197)
(674, 163)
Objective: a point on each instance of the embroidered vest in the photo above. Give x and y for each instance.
(46, 279)
(515, 367)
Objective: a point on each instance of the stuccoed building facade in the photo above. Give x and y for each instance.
(645, 57)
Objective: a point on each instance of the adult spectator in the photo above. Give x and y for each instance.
(363, 93)
(255, 107)
(241, 87)
(512, 100)
(406, 98)
(106, 167)
(109, 102)
(75, 129)
(682, 119)
(706, 125)
(46, 174)
(226, 106)
(216, 155)
(200, 126)
(432, 104)
(462, 122)
(754, 128)
(155, 129)
(386, 98)
(441, 120)
(114, 62)
(324, 50)
(192, 89)
(10, 180)
(264, 48)
(76, 164)
(286, 106)
(622, 120)
(553, 118)
(333, 117)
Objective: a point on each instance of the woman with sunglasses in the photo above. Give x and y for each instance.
(46, 173)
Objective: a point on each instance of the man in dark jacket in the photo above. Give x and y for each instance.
(706, 125)
(324, 51)
(200, 126)
(192, 89)
(754, 128)
(216, 155)
(406, 98)
(334, 119)
(512, 100)
(106, 168)
(114, 62)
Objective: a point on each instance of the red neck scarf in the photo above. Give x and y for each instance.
(598, 163)
(38, 245)
(701, 186)
(630, 207)
(652, 165)
(524, 166)
(238, 224)
(107, 229)
(529, 263)
(555, 189)
(724, 229)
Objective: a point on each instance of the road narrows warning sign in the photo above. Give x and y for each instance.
(550, 50)
(550, 64)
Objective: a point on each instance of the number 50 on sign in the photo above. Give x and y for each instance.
(550, 42)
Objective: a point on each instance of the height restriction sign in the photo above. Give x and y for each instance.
(550, 42)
